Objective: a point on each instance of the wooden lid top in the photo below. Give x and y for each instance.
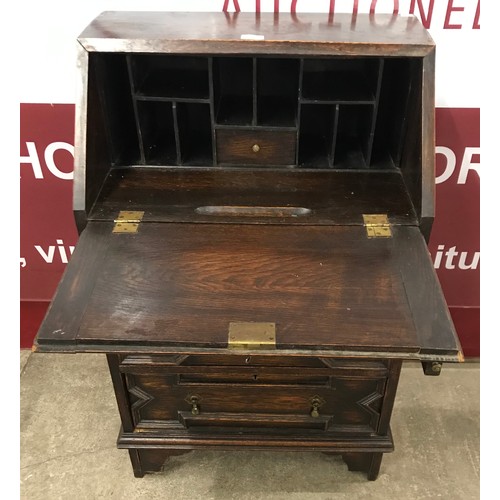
(249, 33)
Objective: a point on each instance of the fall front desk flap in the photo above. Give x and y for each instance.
(186, 287)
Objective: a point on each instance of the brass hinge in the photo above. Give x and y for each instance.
(377, 226)
(128, 221)
(248, 335)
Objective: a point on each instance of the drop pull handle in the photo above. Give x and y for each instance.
(316, 404)
(193, 401)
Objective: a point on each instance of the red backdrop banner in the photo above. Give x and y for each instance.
(455, 236)
(47, 229)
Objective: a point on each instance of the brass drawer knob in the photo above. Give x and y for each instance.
(255, 148)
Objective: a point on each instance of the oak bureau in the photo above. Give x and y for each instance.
(253, 195)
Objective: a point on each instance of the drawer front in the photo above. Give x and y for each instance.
(256, 147)
(258, 396)
(252, 360)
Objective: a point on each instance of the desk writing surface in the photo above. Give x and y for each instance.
(330, 197)
(181, 285)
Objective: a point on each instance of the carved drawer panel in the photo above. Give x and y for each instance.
(338, 399)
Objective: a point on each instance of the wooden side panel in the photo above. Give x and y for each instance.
(412, 141)
(428, 145)
(121, 393)
(418, 154)
(79, 176)
(93, 157)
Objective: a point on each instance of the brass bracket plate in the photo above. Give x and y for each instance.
(377, 226)
(248, 335)
(128, 221)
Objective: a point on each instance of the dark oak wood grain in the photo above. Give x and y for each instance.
(333, 197)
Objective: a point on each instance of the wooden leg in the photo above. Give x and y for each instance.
(364, 462)
(146, 461)
(374, 467)
(136, 463)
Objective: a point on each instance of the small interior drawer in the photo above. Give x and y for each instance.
(256, 147)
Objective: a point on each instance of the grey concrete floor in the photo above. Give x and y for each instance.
(69, 424)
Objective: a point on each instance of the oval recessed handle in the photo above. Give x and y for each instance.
(248, 211)
(255, 148)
